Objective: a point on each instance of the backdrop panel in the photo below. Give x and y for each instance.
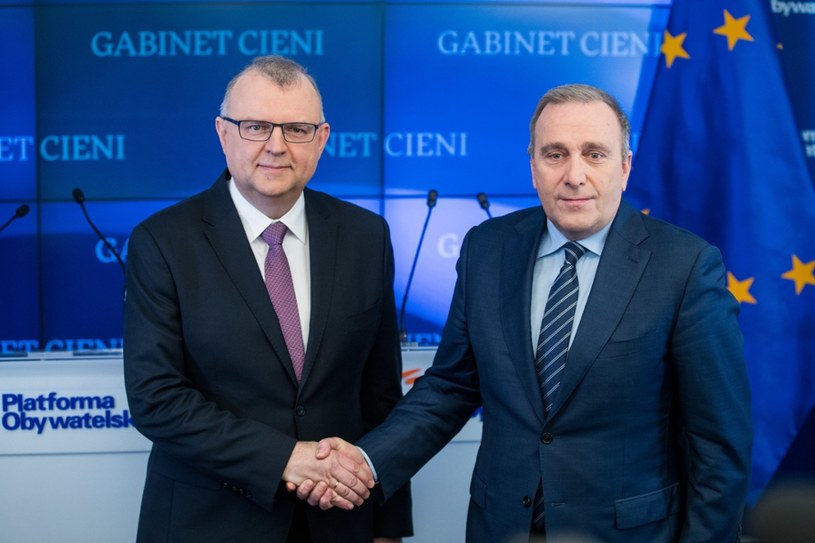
(127, 94)
(461, 85)
(432, 286)
(19, 287)
(18, 157)
(418, 95)
(82, 282)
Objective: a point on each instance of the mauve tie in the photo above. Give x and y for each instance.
(281, 291)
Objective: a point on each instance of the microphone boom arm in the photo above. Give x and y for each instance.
(79, 197)
(431, 203)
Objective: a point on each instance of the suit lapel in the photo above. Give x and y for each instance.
(621, 266)
(323, 232)
(223, 228)
(518, 261)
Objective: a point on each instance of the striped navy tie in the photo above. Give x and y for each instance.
(553, 341)
(556, 327)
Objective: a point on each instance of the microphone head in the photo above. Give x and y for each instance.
(22, 211)
(79, 196)
(482, 199)
(432, 196)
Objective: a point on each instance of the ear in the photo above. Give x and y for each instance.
(220, 129)
(322, 135)
(627, 169)
(532, 171)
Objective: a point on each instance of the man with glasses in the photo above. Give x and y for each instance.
(260, 318)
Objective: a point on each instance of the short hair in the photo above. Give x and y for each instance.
(283, 71)
(584, 94)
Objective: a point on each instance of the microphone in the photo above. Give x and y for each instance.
(79, 198)
(22, 211)
(432, 196)
(485, 204)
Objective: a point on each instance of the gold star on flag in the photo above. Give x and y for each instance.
(672, 47)
(734, 29)
(740, 289)
(803, 273)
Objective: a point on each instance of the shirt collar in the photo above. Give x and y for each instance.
(255, 222)
(553, 240)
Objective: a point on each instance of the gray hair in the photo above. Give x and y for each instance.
(584, 94)
(282, 71)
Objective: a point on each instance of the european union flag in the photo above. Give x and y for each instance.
(720, 155)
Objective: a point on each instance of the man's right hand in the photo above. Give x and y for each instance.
(332, 473)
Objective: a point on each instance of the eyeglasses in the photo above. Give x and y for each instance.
(262, 130)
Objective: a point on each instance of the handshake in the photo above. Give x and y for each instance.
(330, 473)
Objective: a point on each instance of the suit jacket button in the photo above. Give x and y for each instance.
(301, 411)
(526, 501)
(546, 438)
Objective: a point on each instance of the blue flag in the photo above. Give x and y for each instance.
(720, 155)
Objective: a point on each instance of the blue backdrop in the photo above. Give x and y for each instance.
(119, 99)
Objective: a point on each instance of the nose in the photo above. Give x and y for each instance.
(276, 144)
(576, 172)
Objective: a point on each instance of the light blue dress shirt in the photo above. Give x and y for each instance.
(547, 266)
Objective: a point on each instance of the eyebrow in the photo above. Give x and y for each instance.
(585, 146)
(591, 145)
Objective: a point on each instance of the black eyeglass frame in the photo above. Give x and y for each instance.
(273, 125)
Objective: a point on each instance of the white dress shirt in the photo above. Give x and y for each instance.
(295, 245)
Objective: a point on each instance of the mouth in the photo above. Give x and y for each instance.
(274, 167)
(575, 201)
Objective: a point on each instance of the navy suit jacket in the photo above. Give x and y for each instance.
(210, 382)
(649, 439)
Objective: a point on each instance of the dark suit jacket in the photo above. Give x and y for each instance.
(210, 382)
(650, 436)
